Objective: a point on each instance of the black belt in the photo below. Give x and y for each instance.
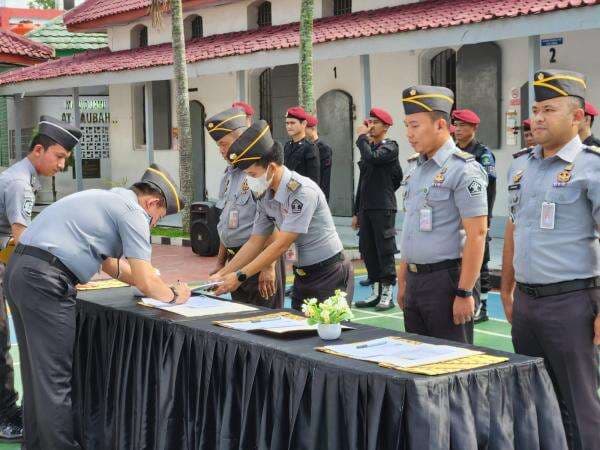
(305, 270)
(564, 287)
(48, 257)
(428, 268)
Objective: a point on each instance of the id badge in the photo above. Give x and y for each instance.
(291, 253)
(234, 219)
(426, 219)
(548, 215)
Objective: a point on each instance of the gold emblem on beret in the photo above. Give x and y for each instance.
(540, 76)
(211, 125)
(413, 92)
(232, 156)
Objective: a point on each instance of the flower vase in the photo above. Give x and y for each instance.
(329, 331)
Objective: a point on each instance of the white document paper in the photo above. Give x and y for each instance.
(199, 306)
(275, 324)
(401, 353)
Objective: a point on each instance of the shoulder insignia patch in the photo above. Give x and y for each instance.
(593, 149)
(245, 186)
(297, 206)
(524, 151)
(465, 156)
(414, 157)
(293, 185)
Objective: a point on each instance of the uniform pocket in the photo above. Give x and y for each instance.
(389, 241)
(438, 194)
(563, 195)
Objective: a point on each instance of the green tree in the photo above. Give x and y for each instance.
(305, 74)
(157, 9)
(42, 4)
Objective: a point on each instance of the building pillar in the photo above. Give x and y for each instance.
(534, 65)
(365, 66)
(149, 115)
(77, 123)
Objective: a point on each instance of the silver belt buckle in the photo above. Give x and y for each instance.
(412, 268)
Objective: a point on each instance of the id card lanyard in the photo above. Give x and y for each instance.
(426, 212)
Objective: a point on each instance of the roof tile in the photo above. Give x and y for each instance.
(14, 44)
(423, 15)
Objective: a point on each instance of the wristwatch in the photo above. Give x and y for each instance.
(175, 295)
(463, 293)
(241, 276)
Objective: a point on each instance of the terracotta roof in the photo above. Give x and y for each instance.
(417, 16)
(55, 34)
(16, 45)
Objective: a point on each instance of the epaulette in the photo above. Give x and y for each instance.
(523, 151)
(592, 149)
(413, 157)
(293, 185)
(465, 156)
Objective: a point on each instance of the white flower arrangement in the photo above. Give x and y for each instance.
(333, 310)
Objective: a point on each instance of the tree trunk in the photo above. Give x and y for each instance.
(305, 74)
(183, 111)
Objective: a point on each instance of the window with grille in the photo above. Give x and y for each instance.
(264, 14)
(139, 36)
(197, 28)
(342, 7)
(443, 69)
(143, 37)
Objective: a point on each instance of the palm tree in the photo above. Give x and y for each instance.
(305, 76)
(157, 8)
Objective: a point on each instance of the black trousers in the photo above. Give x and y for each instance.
(377, 244)
(428, 305)
(322, 283)
(484, 273)
(560, 329)
(248, 291)
(8, 394)
(42, 301)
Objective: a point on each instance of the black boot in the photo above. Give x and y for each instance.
(11, 427)
(481, 313)
(373, 299)
(365, 282)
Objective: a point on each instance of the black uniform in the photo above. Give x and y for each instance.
(592, 141)
(486, 158)
(302, 157)
(325, 159)
(375, 206)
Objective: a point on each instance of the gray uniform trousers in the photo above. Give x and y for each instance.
(8, 394)
(428, 304)
(42, 301)
(560, 328)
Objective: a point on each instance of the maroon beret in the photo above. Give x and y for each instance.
(311, 121)
(527, 124)
(382, 115)
(466, 115)
(248, 109)
(590, 109)
(297, 112)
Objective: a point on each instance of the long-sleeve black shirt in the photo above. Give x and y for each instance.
(380, 175)
(302, 157)
(325, 158)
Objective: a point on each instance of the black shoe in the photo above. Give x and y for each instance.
(11, 427)
(365, 282)
(481, 313)
(372, 299)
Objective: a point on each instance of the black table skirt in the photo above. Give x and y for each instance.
(149, 379)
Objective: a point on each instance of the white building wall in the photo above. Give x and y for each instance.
(362, 5)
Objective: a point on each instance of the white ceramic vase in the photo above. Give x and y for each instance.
(329, 331)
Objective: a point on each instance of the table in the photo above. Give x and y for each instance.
(149, 379)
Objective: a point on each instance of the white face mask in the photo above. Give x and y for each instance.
(260, 184)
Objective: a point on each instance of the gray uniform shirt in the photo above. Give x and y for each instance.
(83, 229)
(571, 250)
(458, 191)
(18, 185)
(238, 209)
(299, 206)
